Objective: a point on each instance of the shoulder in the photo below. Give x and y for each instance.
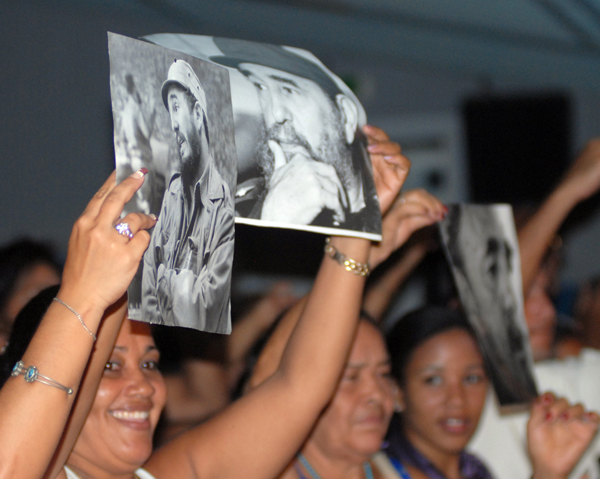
(572, 377)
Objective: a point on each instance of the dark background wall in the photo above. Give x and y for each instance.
(55, 119)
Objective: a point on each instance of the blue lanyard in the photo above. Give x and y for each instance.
(400, 468)
(314, 475)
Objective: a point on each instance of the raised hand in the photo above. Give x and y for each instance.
(557, 436)
(100, 260)
(411, 211)
(390, 167)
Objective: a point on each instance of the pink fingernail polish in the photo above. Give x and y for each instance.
(140, 173)
(372, 148)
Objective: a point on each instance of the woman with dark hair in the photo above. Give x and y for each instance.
(26, 267)
(442, 389)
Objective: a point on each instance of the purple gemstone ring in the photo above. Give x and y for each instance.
(123, 229)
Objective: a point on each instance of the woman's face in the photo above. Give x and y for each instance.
(355, 422)
(117, 435)
(443, 395)
(540, 315)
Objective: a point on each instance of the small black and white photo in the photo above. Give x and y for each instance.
(172, 115)
(302, 155)
(481, 246)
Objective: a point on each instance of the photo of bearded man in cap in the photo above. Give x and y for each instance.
(187, 267)
(314, 168)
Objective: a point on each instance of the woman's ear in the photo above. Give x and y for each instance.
(349, 112)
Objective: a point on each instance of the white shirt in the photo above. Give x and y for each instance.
(501, 440)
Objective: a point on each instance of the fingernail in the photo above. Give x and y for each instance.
(548, 416)
(388, 157)
(564, 416)
(547, 399)
(446, 209)
(140, 173)
(153, 216)
(372, 148)
(588, 416)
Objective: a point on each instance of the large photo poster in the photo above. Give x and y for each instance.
(302, 159)
(172, 114)
(481, 245)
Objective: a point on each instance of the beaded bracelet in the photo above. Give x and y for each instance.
(361, 269)
(32, 374)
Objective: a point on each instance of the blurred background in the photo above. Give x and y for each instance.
(490, 99)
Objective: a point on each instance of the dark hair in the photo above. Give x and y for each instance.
(454, 219)
(15, 258)
(415, 328)
(24, 328)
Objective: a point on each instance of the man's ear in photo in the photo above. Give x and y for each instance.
(349, 112)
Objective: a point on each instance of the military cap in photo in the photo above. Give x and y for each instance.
(182, 74)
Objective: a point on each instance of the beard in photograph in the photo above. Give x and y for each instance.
(333, 149)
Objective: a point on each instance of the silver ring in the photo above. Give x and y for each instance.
(123, 229)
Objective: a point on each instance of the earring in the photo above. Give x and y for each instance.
(398, 407)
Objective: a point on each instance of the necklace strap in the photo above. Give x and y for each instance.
(302, 460)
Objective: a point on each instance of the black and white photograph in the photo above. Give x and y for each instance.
(172, 115)
(481, 245)
(302, 155)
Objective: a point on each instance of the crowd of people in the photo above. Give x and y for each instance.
(328, 394)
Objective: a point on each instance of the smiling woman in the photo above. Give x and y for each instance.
(125, 412)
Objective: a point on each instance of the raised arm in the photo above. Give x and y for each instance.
(100, 264)
(251, 326)
(580, 182)
(402, 219)
(256, 436)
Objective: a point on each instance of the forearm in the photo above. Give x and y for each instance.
(196, 394)
(60, 349)
(107, 336)
(321, 339)
(379, 294)
(249, 328)
(537, 235)
(270, 357)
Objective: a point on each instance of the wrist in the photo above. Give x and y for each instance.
(90, 311)
(355, 248)
(351, 255)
